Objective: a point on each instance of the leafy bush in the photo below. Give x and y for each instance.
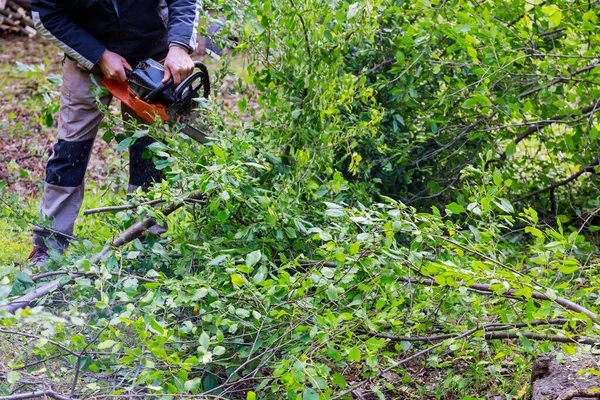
(286, 271)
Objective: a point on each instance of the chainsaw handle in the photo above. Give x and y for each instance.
(158, 91)
(189, 82)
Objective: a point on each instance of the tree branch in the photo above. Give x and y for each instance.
(587, 168)
(133, 232)
(482, 287)
(31, 336)
(572, 394)
(36, 395)
(395, 365)
(435, 338)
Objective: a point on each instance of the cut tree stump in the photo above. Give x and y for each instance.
(562, 377)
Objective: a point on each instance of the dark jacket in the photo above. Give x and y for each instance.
(134, 29)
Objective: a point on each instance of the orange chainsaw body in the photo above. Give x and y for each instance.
(146, 111)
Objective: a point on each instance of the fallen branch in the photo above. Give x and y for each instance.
(130, 234)
(36, 395)
(395, 365)
(30, 336)
(132, 206)
(582, 393)
(435, 338)
(534, 336)
(482, 287)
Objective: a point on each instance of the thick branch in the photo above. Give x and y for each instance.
(482, 287)
(587, 168)
(36, 395)
(133, 232)
(575, 393)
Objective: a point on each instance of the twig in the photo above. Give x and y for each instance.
(31, 336)
(121, 208)
(78, 364)
(511, 292)
(36, 395)
(520, 17)
(395, 365)
(132, 206)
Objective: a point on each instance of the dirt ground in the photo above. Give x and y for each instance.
(26, 137)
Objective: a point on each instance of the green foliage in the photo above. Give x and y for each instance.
(296, 276)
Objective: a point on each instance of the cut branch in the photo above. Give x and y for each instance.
(31, 336)
(36, 395)
(133, 232)
(482, 287)
(581, 393)
(535, 336)
(132, 206)
(435, 338)
(401, 362)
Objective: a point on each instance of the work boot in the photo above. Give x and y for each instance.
(39, 256)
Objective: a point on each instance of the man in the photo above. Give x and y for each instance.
(102, 38)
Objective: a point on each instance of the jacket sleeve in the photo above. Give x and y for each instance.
(183, 23)
(52, 21)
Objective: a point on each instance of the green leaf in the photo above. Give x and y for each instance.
(204, 340)
(339, 380)
(310, 394)
(13, 377)
(354, 354)
(218, 151)
(237, 280)
(253, 258)
(250, 395)
(526, 343)
(106, 344)
(192, 385)
(23, 278)
(454, 208)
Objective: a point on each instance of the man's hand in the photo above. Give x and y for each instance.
(178, 65)
(113, 66)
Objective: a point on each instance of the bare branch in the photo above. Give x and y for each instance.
(482, 287)
(587, 168)
(31, 336)
(395, 365)
(36, 395)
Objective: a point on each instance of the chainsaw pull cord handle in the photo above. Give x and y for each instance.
(158, 91)
(189, 81)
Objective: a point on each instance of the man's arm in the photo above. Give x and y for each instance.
(52, 21)
(183, 24)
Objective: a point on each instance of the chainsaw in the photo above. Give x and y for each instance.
(152, 100)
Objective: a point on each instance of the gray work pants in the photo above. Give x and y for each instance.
(78, 122)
